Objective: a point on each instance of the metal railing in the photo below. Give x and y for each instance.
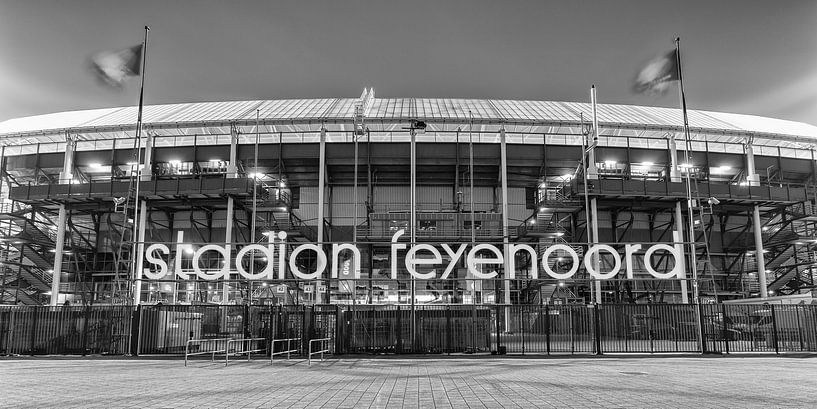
(247, 348)
(324, 348)
(210, 345)
(288, 350)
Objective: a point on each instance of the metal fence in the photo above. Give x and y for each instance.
(65, 330)
(427, 329)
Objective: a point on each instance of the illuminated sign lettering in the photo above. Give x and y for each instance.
(426, 255)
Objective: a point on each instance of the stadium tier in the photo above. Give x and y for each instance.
(404, 201)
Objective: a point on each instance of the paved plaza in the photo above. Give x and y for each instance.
(392, 382)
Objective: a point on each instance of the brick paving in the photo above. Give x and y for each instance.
(392, 382)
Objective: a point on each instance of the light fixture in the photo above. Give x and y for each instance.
(532, 221)
(609, 163)
(132, 163)
(647, 164)
(282, 184)
(189, 249)
(567, 176)
(559, 234)
(542, 209)
(175, 162)
(95, 165)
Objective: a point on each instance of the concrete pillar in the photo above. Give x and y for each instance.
(413, 223)
(592, 170)
(674, 172)
(228, 240)
(321, 197)
(506, 296)
(594, 218)
(761, 261)
(232, 173)
(66, 177)
(679, 229)
(147, 169)
(140, 251)
(321, 184)
(232, 163)
(752, 177)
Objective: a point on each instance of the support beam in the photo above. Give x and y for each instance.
(321, 198)
(753, 179)
(140, 250)
(675, 175)
(413, 225)
(228, 240)
(761, 261)
(147, 168)
(679, 228)
(594, 220)
(506, 296)
(232, 164)
(66, 177)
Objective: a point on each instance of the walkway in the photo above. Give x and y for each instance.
(353, 382)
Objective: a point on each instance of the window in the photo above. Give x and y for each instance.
(467, 225)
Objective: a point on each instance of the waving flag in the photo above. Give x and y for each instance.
(114, 67)
(658, 74)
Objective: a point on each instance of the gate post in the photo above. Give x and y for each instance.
(597, 328)
(135, 330)
(336, 333)
(498, 331)
(723, 326)
(547, 328)
(85, 330)
(399, 346)
(701, 340)
(245, 321)
(448, 329)
(774, 329)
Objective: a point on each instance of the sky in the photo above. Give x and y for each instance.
(744, 56)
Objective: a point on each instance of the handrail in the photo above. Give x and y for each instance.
(326, 349)
(247, 351)
(288, 350)
(213, 353)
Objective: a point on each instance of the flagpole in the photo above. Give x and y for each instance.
(688, 143)
(690, 213)
(134, 262)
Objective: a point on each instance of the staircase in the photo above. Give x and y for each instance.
(787, 235)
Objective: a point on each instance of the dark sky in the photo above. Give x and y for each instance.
(753, 57)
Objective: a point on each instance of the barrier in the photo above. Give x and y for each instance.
(247, 342)
(288, 350)
(325, 348)
(209, 342)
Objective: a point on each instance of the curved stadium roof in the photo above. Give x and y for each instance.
(385, 115)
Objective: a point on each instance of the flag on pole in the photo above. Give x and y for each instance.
(114, 67)
(657, 75)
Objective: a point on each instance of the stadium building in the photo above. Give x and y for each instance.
(91, 214)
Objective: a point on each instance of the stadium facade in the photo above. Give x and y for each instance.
(301, 179)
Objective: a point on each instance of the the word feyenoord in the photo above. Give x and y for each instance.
(417, 255)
